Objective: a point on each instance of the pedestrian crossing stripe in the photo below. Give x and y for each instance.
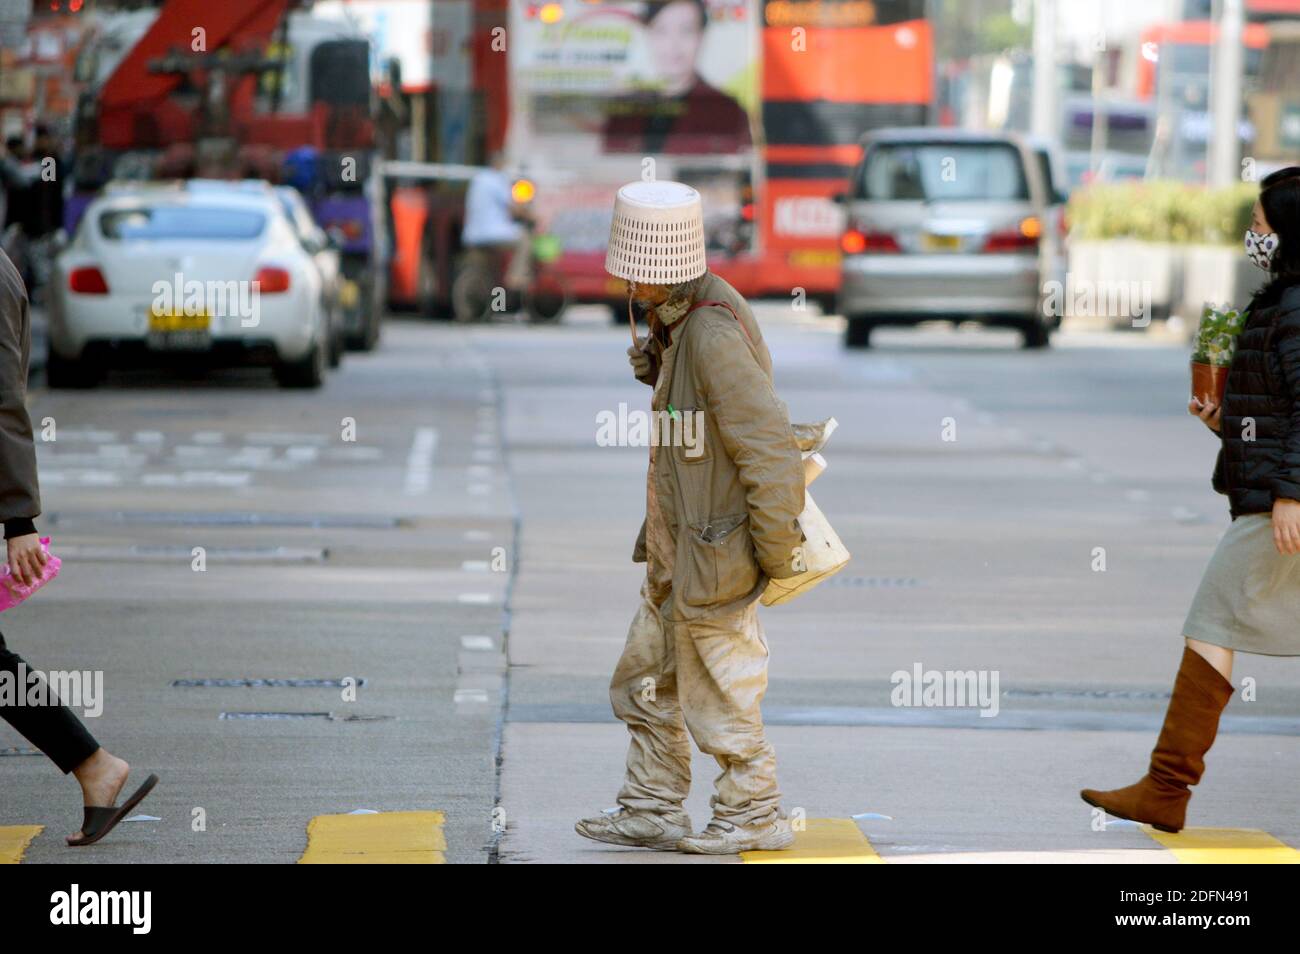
(14, 840)
(383, 838)
(824, 841)
(1225, 846)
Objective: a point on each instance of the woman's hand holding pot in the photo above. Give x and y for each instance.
(1209, 413)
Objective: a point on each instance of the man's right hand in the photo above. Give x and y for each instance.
(639, 360)
(1209, 413)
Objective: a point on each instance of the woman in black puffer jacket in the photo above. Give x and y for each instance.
(1249, 598)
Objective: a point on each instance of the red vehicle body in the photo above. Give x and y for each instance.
(860, 67)
(1163, 40)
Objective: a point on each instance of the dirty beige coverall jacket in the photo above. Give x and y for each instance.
(695, 651)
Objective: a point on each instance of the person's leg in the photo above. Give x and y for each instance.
(52, 728)
(722, 677)
(643, 693)
(55, 730)
(1216, 656)
(1201, 692)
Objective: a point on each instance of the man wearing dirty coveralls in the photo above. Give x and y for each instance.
(723, 496)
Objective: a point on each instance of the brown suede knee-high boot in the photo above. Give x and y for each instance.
(1191, 723)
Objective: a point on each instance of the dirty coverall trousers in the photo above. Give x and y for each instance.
(706, 675)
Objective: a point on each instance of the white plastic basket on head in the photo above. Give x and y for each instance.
(658, 234)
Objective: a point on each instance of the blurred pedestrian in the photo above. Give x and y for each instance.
(50, 726)
(724, 491)
(46, 210)
(495, 225)
(15, 179)
(1249, 598)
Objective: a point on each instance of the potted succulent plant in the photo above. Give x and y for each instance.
(1216, 338)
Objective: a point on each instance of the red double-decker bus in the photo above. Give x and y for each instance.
(832, 70)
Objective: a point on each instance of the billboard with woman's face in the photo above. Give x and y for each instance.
(668, 77)
(597, 89)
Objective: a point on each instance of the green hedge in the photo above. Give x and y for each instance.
(1161, 211)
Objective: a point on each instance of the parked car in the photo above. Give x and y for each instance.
(947, 224)
(324, 252)
(187, 272)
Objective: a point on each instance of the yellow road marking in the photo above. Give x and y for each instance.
(826, 841)
(1226, 846)
(14, 840)
(402, 838)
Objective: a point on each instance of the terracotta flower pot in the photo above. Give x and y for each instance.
(1209, 381)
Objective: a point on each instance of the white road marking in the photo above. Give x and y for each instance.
(474, 566)
(478, 598)
(471, 695)
(94, 437)
(302, 453)
(477, 535)
(83, 478)
(208, 437)
(280, 437)
(354, 453)
(254, 457)
(419, 463)
(148, 437)
(216, 478)
(191, 451)
(481, 644)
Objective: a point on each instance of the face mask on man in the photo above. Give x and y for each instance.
(1261, 247)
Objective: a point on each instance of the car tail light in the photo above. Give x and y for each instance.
(1022, 238)
(87, 281)
(271, 280)
(854, 242)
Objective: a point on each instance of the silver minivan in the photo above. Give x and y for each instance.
(948, 224)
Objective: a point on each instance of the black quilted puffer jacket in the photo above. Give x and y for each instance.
(1260, 464)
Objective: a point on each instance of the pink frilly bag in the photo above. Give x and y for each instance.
(12, 592)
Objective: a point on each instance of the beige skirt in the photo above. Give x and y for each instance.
(1249, 598)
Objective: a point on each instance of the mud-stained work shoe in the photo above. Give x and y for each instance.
(637, 829)
(723, 838)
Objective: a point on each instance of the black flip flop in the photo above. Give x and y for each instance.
(99, 821)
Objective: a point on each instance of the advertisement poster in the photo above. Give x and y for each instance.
(600, 88)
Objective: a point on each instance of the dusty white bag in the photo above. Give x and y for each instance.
(823, 554)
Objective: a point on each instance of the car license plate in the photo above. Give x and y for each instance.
(178, 331)
(940, 243)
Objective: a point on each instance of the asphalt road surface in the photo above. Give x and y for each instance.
(439, 537)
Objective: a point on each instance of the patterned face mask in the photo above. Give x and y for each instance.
(1260, 248)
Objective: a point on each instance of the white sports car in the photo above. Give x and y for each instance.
(187, 272)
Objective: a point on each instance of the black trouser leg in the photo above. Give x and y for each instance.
(51, 728)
